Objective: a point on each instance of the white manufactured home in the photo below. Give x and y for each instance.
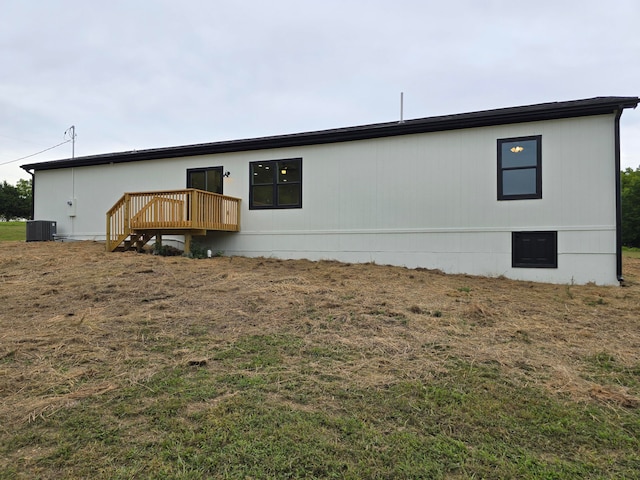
(530, 193)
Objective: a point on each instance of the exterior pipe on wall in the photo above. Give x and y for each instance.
(618, 196)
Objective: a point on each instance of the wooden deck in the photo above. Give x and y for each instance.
(137, 217)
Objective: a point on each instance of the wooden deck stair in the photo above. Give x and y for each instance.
(135, 241)
(138, 217)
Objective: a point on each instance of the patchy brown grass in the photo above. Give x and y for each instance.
(78, 322)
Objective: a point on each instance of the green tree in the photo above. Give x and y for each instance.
(24, 188)
(15, 201)
(630, 184)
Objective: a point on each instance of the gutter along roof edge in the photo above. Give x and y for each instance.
(502, 116)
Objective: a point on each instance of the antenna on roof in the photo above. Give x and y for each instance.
(401, 107)
(72, 133)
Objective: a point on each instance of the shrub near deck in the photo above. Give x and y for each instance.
(127, 365)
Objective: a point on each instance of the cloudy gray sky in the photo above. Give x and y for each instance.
(140, 74)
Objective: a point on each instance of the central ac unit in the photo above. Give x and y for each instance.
(41, 230)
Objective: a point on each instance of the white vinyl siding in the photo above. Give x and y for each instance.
(421, 200)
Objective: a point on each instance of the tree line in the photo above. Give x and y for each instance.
(630, 196)
(15, 203)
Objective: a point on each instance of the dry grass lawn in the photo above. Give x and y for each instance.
(77, 322)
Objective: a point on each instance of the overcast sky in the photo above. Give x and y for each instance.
(141, 74)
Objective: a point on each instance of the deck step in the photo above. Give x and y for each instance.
(135, 241)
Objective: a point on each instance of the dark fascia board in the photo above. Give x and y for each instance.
(485, 118)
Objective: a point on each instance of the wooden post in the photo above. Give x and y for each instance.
(126, 212)
(238, 215)
(187, 243)
(108, 239)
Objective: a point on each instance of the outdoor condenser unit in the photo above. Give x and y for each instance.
(40, 230)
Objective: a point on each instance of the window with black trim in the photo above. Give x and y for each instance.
(275, 184)
(207, 179)
(534, 249)
(520, 168)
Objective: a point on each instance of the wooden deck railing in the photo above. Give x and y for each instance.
(171, 211)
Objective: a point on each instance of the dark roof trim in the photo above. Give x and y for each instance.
(502, 116)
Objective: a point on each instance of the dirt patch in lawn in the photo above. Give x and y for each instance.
(78, 322)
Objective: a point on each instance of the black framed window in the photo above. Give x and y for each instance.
(207, 179)
(520, 168)
(534, 249)
(275, 184)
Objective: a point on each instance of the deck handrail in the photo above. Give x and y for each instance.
(166, 210)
